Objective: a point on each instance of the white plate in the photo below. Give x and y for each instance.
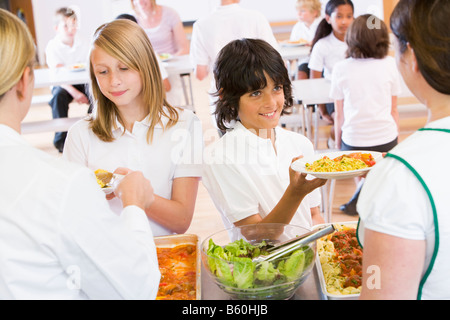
(293, 44)
(110, 189)
(165, 57)
(299, 165)
(77, 67)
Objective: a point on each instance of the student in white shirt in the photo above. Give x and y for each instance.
(405, 205)
(134, 126)
(305, 29)
(365, 87)
(59, 238)
(329, 47)
(247, 172)
(65, 50)
(226, 23)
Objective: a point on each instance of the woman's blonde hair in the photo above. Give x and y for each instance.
(17, 51)
(312, 5)
(134, 7)
(127, 42)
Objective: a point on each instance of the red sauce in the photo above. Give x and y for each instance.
(178, 272)
(349, 256)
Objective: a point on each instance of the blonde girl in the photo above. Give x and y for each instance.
(133, 126)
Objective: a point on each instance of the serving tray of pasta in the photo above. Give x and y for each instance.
(339, 263)
(180, 266)
(338, 164)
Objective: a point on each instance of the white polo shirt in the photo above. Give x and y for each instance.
(174, 153)
(57, 52)
(301, 31)
(326, 53)
(367, 87)
(245, 176)
(227, 23)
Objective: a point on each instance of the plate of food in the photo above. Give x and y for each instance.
(106, 180)
(339, 262)
(297, 43)
(338, 164)
(77, 67)
(165, 57)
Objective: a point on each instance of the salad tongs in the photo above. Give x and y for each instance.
(288, 246)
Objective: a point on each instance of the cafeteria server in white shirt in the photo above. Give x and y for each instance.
(211, 33)
(59, 238)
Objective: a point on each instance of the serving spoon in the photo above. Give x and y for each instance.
(288, 246)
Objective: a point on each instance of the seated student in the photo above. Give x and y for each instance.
(165, 30)
(247, 172)
(164, 74)
(135, 127)
(309, 18)
(329, 47)
(59, 238)
(66, 49)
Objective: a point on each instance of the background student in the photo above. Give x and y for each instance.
(309, 12)
(365, 88)
(329, 47)
(66, 49)
(405, 205)
(59, 238)
(135, 127)
(163, 26)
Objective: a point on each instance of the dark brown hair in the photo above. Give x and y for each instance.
(324, 28)
(424, 24)
(367, 37)
(240, 68)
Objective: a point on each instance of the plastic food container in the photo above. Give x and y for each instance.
(180, 239)
(321, 276)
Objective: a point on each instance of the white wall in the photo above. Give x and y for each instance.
(95, 12)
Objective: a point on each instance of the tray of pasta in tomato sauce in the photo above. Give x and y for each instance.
(179, 264)
(339, 262)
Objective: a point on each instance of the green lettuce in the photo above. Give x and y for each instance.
(233, 266)
(293, 266)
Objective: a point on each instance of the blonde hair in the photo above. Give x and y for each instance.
(17, 51)
(134, 7)
(127, 42)
(312, 5)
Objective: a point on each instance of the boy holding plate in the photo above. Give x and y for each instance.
(247, 172)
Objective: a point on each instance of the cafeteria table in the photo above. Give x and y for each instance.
(309, 94)
(293, 54)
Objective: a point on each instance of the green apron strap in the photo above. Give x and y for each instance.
(435, 220)
(433, 207)
(433, 129)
